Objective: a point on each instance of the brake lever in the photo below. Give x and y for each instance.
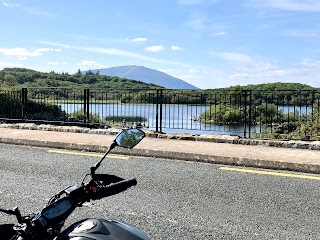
(15, 211)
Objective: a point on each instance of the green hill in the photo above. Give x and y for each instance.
(21, 77)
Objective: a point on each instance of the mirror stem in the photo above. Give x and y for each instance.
(95, 167)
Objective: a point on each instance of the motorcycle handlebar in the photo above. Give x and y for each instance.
(113, 188)
(102, 185)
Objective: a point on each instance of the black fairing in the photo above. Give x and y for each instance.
(6, 231)
(95, 229)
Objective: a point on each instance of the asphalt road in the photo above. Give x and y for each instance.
(173, 199)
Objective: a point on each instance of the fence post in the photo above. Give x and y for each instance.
(86, 106)
(161, 107)
(24, 100)
(250, 112)
(245, 115)
(157, 111)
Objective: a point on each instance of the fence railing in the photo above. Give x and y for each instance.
(248, 113)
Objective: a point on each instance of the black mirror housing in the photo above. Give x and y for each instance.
(129, 138)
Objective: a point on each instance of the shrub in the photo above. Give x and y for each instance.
(80, 116)
(223, 114)
(120, 119)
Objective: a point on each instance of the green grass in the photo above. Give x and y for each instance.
(69, 101)
(126, 118)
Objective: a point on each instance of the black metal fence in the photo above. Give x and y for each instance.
(248, 113)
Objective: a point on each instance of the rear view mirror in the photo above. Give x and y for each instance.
(129, 138)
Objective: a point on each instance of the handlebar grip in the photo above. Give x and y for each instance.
(115, 188)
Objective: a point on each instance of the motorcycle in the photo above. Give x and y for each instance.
(47, 224)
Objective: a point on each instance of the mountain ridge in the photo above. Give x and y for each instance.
(147, 75)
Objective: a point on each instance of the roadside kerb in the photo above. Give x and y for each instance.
(217, 149)
(213, 159)
(294, 144)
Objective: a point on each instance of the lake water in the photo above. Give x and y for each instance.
(176, 118)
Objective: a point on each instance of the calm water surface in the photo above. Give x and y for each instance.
(176, 118)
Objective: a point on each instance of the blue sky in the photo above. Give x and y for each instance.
(208, 43)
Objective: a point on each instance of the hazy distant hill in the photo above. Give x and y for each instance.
(146, 75)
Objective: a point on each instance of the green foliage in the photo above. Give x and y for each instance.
(21, 77)
(10, 104)
(128, 119)
(222, 114)
(11, 107)
(233, 105)
(267, 113)
(310, 124)
(38, 111)
(79, 115)
(295, 126)
(278, 93)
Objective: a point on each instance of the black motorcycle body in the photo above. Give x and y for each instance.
(99, 229)
(47, 223)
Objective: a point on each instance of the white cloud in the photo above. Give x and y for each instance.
(157, 48)
(9, 65)
(199, 23)
(141, 39)
(115, 52)
(6, 4)
(22, 58)
(233, 57)
(176, 48)
(38, 12)
(305, 72)
(302, 33)
(200, 77)
(23, 53)
(203, 22)
(219, 34)
(197, 2)
(311, 64)
(254, 73)
(53, 63)
(87, 64)
(31, 10)
(290, 5)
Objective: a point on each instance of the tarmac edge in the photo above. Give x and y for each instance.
(294, 144)
(192, 157)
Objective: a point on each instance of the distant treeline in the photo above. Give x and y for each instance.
(276, 93)
(252, 104)
(26, 78)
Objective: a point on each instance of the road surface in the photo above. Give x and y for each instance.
(173, 199)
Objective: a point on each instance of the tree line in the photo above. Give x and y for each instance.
(278, 93)
(27, 78)
(252, 104)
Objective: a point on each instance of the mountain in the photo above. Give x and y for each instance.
(146, 75)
